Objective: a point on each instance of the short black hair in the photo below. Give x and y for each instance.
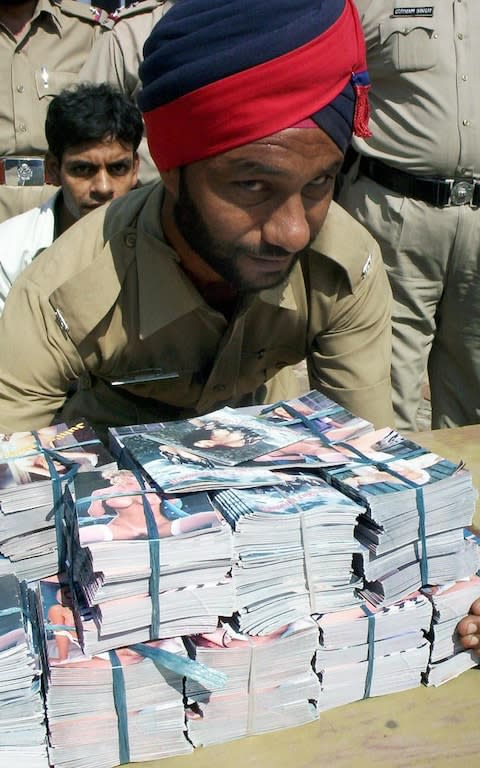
(91, 112)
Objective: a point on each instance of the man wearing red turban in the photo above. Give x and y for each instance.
(197, 291)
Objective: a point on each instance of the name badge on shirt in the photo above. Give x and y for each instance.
(421, 10)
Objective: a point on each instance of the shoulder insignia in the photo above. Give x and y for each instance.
(143, 6)
(366, 266)
(85, 12)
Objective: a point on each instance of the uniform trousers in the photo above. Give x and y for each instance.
(432, 259)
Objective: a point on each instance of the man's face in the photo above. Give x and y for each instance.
(93, 173)
(250, 212)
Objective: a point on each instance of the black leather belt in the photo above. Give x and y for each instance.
(18, 171)
(439, 192)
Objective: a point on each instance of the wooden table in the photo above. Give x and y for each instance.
(421, 728)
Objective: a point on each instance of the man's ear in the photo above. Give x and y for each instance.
(52, 170)
(171, 180)
(136, 165)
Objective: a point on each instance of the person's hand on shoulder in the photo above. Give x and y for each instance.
(468, 629)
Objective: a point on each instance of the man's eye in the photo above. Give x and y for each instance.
(80, 170)
(251, 185)
(119, 169)
(319, 181)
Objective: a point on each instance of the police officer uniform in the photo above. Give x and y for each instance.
(15, 200)
(121, 315)
(417, 189)
(116, 57)
(35, 67)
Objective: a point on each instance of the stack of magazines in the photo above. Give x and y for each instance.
(371, 651)
(113, 708)
(22, 720)
(416, 506)
(196, 453)
(270, 683)
(293, 546)
(450, 604)
(144, 565)
(35, 469)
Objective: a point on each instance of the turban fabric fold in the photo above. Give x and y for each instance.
(218, 74)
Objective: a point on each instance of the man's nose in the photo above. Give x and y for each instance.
(102, 186)
(287, 226)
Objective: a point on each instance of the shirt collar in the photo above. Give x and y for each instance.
(52, 9)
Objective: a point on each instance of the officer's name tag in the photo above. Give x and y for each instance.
(421, 10)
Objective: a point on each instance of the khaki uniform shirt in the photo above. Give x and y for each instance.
(16, 200)
(423, 60)
(108, 303)
(38, 66)
(117, 56)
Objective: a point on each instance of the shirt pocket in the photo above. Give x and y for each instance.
(408, 44)
(263, 363)
(49, 83)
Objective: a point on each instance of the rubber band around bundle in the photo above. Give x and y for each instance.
(370, 651)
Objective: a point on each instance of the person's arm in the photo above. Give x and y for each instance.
(38, 362)
(350, 360)
(468, 629)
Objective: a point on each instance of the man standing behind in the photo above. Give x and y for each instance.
(43, 44)
(93, 132)
(417, 190)
(117, 55)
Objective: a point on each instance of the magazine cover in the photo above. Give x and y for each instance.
(29, 457)
(309, 453)
(226, 436)
(113, 505)
(385, 462)
(318, 414)
(173, 469)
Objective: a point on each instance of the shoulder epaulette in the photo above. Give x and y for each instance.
(85, 12)
(143, 6)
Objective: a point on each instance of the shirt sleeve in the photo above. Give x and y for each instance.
(38, 362)
(106, 64)
(349, 359)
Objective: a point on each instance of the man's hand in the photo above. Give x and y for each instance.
(469, 629)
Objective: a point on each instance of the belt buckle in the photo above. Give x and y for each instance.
(24, 171)
(461, 192)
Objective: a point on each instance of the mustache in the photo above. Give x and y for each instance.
(265, 251)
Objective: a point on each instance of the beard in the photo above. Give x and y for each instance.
(224, 257)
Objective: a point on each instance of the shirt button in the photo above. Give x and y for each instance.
(20, 88)
(435, 36)
(460, 36)
(466, 122)
(130, 240)
(22, 127)
(464, 78)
